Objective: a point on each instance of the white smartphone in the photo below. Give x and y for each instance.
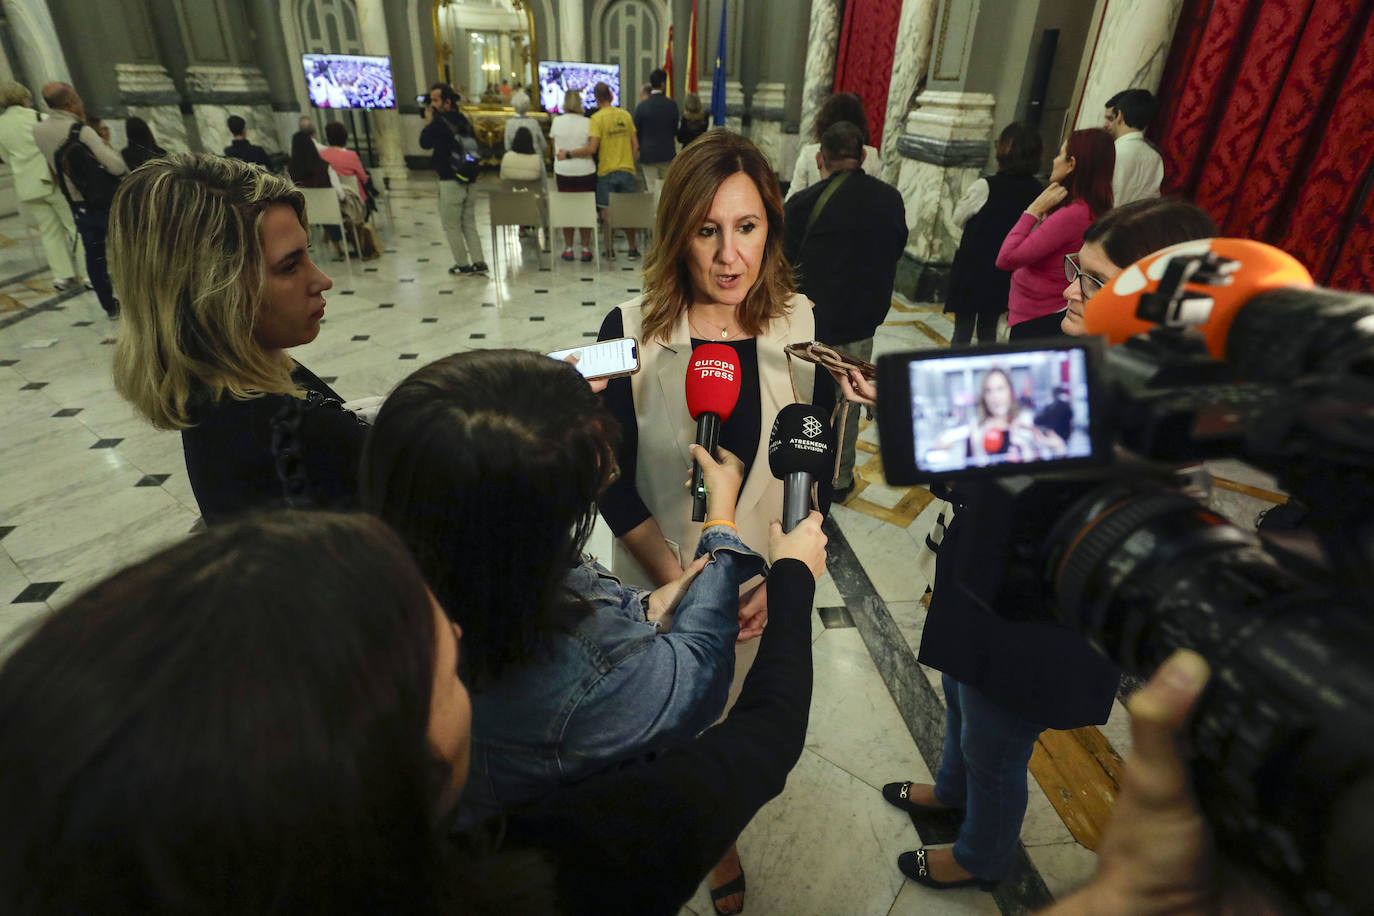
(605, 359)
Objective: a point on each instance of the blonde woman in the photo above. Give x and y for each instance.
(39, 198)
(716, 273)
(571, 130)
(211, 259)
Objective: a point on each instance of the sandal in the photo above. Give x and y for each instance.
(735, 886)
(895, 794)
(913, 865)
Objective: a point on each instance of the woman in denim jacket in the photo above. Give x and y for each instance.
(488, 464)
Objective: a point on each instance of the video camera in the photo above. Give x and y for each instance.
(1087, 457)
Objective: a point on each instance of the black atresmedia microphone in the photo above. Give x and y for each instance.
(713, 380)
(801, 450)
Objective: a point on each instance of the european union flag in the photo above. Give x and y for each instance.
(718, 82)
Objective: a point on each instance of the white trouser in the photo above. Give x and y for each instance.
(56, 229)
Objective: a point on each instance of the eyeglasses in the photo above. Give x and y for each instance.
(1086, 283)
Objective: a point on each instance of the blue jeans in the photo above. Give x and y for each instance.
(613, 183)
(983, 770)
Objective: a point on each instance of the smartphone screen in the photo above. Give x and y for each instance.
(422, 100)
(609, 357)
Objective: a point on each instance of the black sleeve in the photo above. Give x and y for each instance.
(621, 505)
(333, 441)
(432, 133)
(652, 831)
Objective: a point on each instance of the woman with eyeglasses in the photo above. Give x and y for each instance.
(1080, 190)
(1122, 237)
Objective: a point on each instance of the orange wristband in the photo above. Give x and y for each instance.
(720, 521)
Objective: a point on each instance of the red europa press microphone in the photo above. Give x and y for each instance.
(713, 378)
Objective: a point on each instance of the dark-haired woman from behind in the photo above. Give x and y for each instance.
(987, 211)
(1080, 191)
(142, 146)
(489, 465)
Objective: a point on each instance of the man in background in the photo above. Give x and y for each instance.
(656, 120)
(240, 148)
(68, 125)
(1139, 168)
(845, 236)
(615, 145)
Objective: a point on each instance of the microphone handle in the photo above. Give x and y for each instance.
(796, 499)
(708, 437)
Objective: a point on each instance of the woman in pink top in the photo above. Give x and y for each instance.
(1080, 190)
(345, 161)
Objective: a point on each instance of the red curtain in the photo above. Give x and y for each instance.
(863, 62)
(1266, 117)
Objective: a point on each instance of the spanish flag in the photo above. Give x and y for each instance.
(692, 51)
(668, 64)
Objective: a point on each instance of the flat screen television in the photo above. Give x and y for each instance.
(556, 77)
(349, 81)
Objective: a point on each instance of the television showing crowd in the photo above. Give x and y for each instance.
(388, 678)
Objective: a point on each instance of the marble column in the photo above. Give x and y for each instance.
(915, 30)
(149, 93)
(942, 150)
(35, 39)
(767, 109)
(572, 42)
(386, 122)
(734, 106)
(822, 44)
(218, 91)
(1132, 48)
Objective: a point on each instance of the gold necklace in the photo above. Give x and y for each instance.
(724, 331)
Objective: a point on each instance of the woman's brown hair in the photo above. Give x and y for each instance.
(689, 189)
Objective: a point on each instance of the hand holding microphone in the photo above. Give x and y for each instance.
(801, 450)
(713, 380)
(723, 475)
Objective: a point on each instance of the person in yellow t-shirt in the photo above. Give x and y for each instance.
(613, 140)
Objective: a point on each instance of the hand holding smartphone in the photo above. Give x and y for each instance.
(604, 359)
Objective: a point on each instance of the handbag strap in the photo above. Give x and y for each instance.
(829, 192)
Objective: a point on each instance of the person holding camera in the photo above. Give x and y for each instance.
(450, 135)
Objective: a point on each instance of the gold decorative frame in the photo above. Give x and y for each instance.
(443, 54)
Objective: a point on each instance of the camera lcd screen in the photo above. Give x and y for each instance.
(982, 410)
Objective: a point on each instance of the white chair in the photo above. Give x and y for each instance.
(512, 208)
(573, 210)
(537, 187)
(636, 210)
(322, 209)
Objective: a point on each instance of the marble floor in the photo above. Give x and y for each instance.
(86, 487)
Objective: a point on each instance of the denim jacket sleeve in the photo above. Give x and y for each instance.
(677, 684)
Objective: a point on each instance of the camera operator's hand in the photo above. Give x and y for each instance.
(856, 388)
(1156, 855)
(724, 475)
(1049, 198)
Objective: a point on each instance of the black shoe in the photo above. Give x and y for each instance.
(634, 254)
(479, 267)
(894, 793)
(839, 496)
(913, 865)
(458, 269)
(465, 269)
